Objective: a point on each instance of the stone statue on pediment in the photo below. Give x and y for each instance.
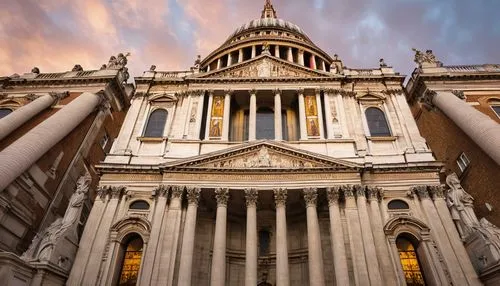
(118, 62)
(427, 59)
(77, 68)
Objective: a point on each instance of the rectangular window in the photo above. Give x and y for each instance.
(463, 162)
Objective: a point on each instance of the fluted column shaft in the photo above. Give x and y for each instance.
(337, 237)
(24, 152)
(252, 124)
(251, 238)
(218, 273)
(21, 115)
(282, 271)
(186, 263)
(479, 127)
(227, 114)
(302, 116)
(316, 273)
(278, 134)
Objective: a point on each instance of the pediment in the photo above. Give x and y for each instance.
(370, 96)
(262, 156)
(265, 66)
(162, 97)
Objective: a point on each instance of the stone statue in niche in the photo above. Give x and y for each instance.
(60, 239)
(460, 204)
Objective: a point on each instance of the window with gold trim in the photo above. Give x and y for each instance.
(409, 262)
(131, 262)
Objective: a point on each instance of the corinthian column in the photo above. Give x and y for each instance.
(186, 264)
(302, 115)
(278, 134)
(218, 273)
(282, 272)
(23, 153)
(337, 237)
(251, 239)
(227, 114)
(21, 115)
(478, 126)
(316, 275)
(252, 118)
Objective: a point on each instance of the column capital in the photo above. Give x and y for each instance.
(459, 93)
(193, 195)
(280, 196)
(300, 91)
(421, 191)
(310, 196)
(436, 191)
(117, 191)
(103, 192)
(348, 191)
(251, 196)
(177, 192)
(228, 92)
(318, 91)
(428, 98)
(277, 91)
(359, 190)
(210, 92)
(59, 95)
(333, 194)
(374, 193)
(160, 191)
(222, 196)
(252, 91)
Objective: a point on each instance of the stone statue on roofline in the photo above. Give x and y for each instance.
(426, 60)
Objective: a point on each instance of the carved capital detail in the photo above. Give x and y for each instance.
(374, 193)
(333, 194)
(300, 91)
(117, 191)
(228, 91)
(193, 195)
(32, 96)
(428, 98)
(160, 191)
(251, 196)
(359, 190)
(59, 95)
(436, 191)
(344, 92)
(421, 191)
(310, 196)
(103, 192)
(177, 192)
(280, 196)
(348, 191)
(222, 196)
(459, 93)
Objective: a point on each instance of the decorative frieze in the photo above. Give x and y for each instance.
(280, 196)
(310, 196)
(251, 196)
(333, 195)
(222, 196)
(193, 194)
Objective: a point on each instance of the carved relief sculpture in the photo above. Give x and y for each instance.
(217, 116)
(311, 115)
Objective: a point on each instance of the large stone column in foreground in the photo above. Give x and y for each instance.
(186, 264)
(484, 131)
(316, 274)
(218, 273)
(282, 272)
(251, 238)
(337, 237)
(23, 153)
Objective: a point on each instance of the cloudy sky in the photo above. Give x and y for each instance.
(54, 35)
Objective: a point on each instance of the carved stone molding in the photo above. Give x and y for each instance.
(344, 92)
(103, 191)
(32, 96)
(348, 191)
(436, 191)
(228, 91)
(177, 192)
(310, 196)
(392, 91)
(333, 194)
(280, 196)
(117, 191)
(331, 91)
(193, 195)
(59, 95)
(421, 191)
(359, 190)
(251, 196)
(459, 93)
(373, 193)
(222, 196)
(160, 191)
(428, 97)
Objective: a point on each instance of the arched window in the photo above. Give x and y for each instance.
(377, 122)
(139, 205)
(397, 205)
(410, 262)
(264, 123)
(4, 112)
(156, 123)
(131, 261)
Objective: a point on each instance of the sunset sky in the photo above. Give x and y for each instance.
(54, 35)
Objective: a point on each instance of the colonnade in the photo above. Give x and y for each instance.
(236, 57)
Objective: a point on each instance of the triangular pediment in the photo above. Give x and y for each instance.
(265, 66)
(162, 97)
(370, 96)
(262, 156)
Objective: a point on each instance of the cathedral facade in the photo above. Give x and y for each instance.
(271, 163)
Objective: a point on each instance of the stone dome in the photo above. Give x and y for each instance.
(268, 23)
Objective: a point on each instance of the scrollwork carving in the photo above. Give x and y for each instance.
(359, 190)
(177, 192)
(374, 193)
(160, 191)
(251, 196)
(333, 195)
(117, 191)
(280, 196)
(193, 195)
(310, 196)
(103, 192)
(421, 191)
(436, 191)
(348, 191)
(222, 196)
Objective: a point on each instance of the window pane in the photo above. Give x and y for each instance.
(131, 262)
(398, 205)
(139, 205)
(4, 112)
(496, 108)
(156, 123)
(409, 262)
(377, 122)
(265, 124)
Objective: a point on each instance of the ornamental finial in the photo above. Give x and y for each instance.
(268, 11)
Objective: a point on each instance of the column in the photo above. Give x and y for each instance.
(375, 195)
(316, 274)
(240, 56)
(218, 273)
(209, 114)
(337, 237)
(24, 152)
(366, 234)
(252, 118)
(251, 256)
(208, 68)
(277, 51)
(227, 114)
(290, 54)
(282, 272)
(301, 57)
(188, 238)
(278, 128)
(313, 62)
(302, 115)
(161, 195)
(229, 59)
(21, 115)
(323, 65)
(320, 114)
(219, 63)
(479, 127)
(328, 115)
(355, 238)
(254, 52)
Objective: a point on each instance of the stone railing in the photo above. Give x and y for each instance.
(473, 68)
(174, 74)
